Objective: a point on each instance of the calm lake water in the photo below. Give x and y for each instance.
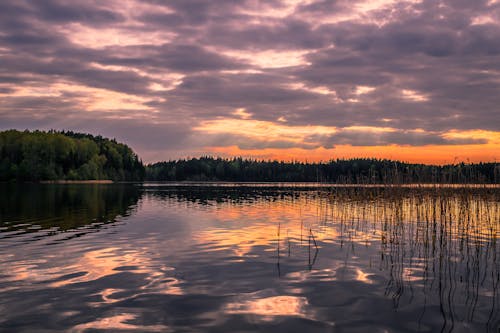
(242, 258)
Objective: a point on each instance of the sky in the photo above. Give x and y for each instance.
(309, 80)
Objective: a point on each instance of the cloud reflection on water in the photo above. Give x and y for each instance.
(220, 258)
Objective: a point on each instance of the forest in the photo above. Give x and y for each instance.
(351, 171)
(53, 155)
(65, 155)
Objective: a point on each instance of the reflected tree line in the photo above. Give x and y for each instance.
(212, 195)
(352, 171)
(26, 208)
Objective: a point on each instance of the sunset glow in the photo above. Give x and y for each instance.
(295, 80)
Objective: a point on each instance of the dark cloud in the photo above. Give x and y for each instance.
(6, 90)
(32, 106)
(367, 138)
(58, 11)
(243, 141)
(192, 58)
(56, 70)
(238, 90)
(285, 34)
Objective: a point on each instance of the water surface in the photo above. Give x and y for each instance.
(243, 257)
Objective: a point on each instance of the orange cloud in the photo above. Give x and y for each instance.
(306, 143)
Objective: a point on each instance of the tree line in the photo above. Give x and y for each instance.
(356, 171)
(65, 155)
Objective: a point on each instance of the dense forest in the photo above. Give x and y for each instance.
(357, 171)
(38, 155)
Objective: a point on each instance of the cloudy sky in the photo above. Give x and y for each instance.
(288, 79)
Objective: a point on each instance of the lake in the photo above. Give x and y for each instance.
(248, 257)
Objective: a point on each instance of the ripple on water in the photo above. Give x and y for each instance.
(236, 258)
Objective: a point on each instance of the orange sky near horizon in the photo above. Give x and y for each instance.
(433, 154)
(315, 151)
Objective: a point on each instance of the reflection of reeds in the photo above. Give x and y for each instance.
(445, 240)
(311, 241)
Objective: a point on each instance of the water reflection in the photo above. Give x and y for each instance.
(442, 245)
(231, 258)
(29, 208)
(262, 308)
(120, 322)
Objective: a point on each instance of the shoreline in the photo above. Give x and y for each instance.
(149, 183)
(315, 184)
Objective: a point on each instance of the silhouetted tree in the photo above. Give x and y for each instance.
(358, 171)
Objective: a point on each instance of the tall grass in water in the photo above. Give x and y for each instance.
(441, 242)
